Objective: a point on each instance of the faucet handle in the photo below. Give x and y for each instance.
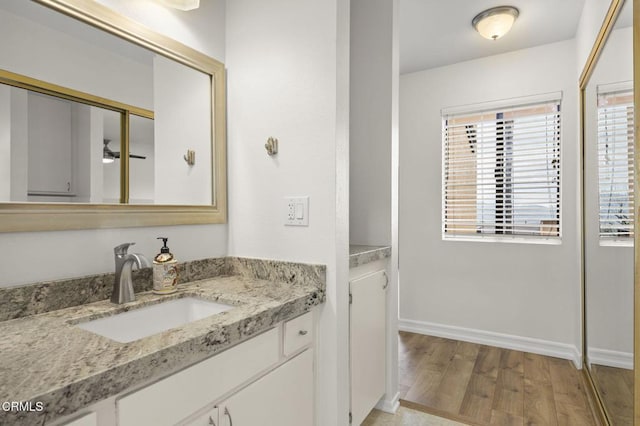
(121, 250)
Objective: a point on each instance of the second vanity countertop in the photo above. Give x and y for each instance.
(360, 255)
(45, 358)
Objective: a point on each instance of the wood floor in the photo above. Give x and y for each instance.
(615, 386)
(485, 385)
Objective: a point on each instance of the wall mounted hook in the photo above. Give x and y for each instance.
(190, 157)
(271, 146)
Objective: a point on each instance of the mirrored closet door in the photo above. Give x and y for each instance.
(608, 147)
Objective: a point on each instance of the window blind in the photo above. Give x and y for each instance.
(501, 171)
(615, 163)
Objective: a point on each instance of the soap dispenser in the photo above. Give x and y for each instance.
(165, 271)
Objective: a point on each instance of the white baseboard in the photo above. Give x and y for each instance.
(389, 405)
(489, 338)
(610, 358)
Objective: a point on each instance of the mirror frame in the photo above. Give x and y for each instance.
(636, 227)
(614, 10)
(20, 217)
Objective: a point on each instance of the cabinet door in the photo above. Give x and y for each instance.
(49, 124)
(367, 343)
(283, 397)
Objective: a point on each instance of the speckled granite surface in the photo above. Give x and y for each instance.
(37, 298)
(360, 255)
(45, 358)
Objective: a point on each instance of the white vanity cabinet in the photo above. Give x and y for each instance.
(367, 328)
(254, 382)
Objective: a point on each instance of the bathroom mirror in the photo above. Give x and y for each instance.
(608, 148)
(99, 116)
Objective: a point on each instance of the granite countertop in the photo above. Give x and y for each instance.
(360, 255)
(44, 358)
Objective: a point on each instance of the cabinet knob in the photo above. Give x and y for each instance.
(302, 332)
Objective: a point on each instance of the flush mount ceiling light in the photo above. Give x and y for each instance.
(495, 22)
(183, 4)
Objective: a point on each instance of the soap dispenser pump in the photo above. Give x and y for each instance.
(165, 271)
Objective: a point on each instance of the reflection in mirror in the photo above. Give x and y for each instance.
(181, 100)
(609, 142)
(111, 147)
(141, 161)
(55, 147)
(170, 107)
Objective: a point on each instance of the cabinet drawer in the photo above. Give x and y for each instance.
(298, 333)
(176, 397)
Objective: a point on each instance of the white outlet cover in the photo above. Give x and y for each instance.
(296, 211)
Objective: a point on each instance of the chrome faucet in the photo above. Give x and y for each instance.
(123, 286)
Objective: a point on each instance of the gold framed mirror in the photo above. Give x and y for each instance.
(124, 209)
(609, 232)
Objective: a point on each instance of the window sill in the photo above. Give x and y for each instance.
(616, 243)
(554, 241)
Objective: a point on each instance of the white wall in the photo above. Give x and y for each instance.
(287, 64)
(506, 291)
(142, 171)
(5, 143)
(82, 157)
(371, 117)
(609, 269)
(36, 256)
(96, 134)
(182, 121)
(19, 144)
(110, 192)
(373, 150)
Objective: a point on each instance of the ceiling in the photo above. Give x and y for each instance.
(434, 33)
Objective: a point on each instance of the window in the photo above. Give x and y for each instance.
(501, 171)
(615, 161)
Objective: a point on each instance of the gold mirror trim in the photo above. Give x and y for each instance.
(50, 217)
(607, 26)
(614, 10)
(636, 226)
(18, 217)
(595, 403)
(125, 129)
(97, 15)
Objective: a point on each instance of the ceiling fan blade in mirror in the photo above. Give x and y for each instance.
(117, 155)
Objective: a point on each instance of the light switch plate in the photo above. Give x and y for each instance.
(296, 211)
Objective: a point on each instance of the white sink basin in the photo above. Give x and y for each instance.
(138, 323)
